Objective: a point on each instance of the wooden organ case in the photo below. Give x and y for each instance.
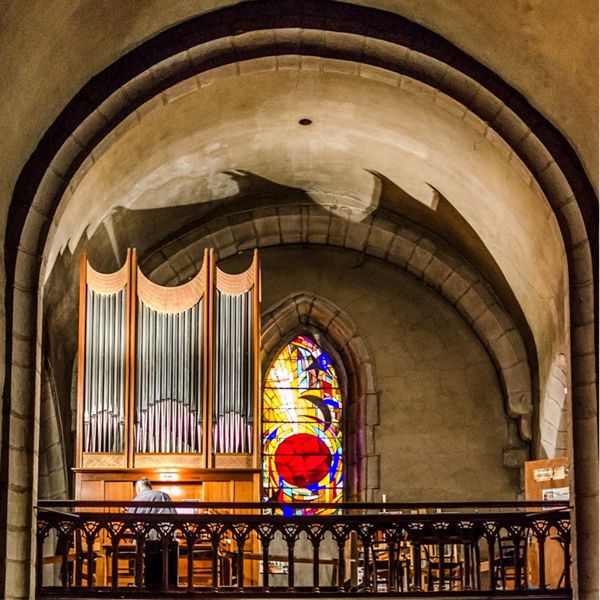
(168, 384)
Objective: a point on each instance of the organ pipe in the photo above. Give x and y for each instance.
(172, 409)
(104, 300)
(170, 370)
(158, 364)
(235, 353)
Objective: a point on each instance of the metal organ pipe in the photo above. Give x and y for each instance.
(198, 360)
(169, 371)
(103, 378)
(238, 440)
(93, 378)
(219, 365)
(108, 355)
(105, 371)
(120, 371)
(101, 374)
(104, 395)
(177, 404)
(233, 373)
(234, 341)
(249, 372)
(230, 377)
(159, 380)
(86, 402)
(185, 382)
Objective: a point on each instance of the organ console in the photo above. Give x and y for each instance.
(168, 383)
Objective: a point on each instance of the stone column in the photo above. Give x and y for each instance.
(584, 415)
(21, 489)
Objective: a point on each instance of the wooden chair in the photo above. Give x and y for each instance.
(511, 555)
(202, 564)
(450, 570)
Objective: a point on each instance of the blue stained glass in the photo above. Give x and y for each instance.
(324, 361)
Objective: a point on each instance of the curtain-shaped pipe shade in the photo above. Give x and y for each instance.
(235, 331)
(105, 351)
(169, 366)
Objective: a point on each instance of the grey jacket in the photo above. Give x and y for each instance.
(153, 496)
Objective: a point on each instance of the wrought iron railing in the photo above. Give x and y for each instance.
(93, 548)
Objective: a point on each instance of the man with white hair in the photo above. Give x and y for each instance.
(145, 493)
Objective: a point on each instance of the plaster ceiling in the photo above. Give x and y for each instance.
(546, 49)
(232, 134)
(239, 128)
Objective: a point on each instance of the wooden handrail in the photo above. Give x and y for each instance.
(382, 507)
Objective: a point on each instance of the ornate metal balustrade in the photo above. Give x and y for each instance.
(87, 549)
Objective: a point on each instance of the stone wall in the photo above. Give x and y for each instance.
(440, 426)
(52, 474)
(558, 174)
(553, 413)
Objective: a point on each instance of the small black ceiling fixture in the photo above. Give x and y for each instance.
(305, 121)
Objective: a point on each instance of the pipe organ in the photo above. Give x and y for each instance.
(106, 341)
(168, 382)
(233, 373)
(169, 366)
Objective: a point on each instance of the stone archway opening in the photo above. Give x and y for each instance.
(101, 108)
(334, 329)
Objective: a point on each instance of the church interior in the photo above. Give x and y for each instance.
(198, 197)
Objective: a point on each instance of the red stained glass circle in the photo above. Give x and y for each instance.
(302, 459)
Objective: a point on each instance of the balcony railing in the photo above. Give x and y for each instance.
(87, 549)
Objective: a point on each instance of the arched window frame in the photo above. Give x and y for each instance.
(304, 311)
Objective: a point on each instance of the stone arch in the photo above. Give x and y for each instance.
(247, 30)
(52, 481)
(553, 428)
(384, 236)
(308, 312)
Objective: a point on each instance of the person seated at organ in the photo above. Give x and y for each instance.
(145, 493)
(153, 547)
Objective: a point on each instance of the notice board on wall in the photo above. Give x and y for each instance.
(546, 479)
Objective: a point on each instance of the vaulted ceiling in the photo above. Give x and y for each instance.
(223, 119)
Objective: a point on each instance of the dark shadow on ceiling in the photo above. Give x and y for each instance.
(446, 222)
(148, 230)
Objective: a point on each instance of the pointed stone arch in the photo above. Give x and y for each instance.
(52, 474)
(333, 328)
(388, 237)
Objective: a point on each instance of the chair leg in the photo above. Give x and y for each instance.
(400, 576)
(477, 572)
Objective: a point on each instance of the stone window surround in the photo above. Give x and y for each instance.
(332, 328)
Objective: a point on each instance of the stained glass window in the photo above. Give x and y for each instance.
(302, 437)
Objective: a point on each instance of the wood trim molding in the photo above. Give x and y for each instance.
(207, 404)
(130, 357)
(172, 299)
(83, 270)
(108, 283)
